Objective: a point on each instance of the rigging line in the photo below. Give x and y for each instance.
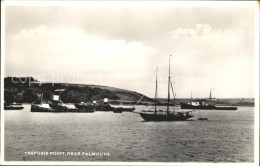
(139, 100)
(151, 80)
(174, 94)
(172, 90)
(169, 80)
(156, 89)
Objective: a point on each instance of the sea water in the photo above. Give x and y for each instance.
(227, 136)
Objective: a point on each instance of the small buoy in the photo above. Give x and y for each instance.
(202, 118)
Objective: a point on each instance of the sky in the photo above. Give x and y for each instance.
(121, 46)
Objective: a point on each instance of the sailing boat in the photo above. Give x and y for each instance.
(162, 116)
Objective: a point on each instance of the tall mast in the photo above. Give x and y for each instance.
(191, 96)
(210, 94)
(169, 80)
(156, 87)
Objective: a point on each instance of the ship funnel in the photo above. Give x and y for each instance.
(56, 98)
(56, 95)
(105, 100)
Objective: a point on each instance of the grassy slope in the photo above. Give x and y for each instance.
(122, 94)
(23, 92)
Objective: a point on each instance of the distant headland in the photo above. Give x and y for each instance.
(28, 90)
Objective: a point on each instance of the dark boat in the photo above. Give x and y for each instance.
(162, 115)
(225, 108)
(104, 108)
(13, 106)
(61, 107)
(55, 106)
(104, 105)
(85, 107)
(41, 108)
(205, 104)
(206, 107)
(178, 116)
(122, 108)
(202, 118)
(198, 104)
(14, 103)
(41, 105)
(118, 110)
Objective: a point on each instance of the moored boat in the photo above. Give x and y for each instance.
(162, 115)
(205, 104)
(178, 116)
(85, 107)
(56, 105)
(225, 108)
(104, 106)
(122, 108)
(198, 104)
(202, 118)
(13, 107)
(41, 108)
(206, 107)
(118, 110)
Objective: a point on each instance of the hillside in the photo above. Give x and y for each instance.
(28, 90)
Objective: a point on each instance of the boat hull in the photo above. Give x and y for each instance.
(164, 117)
(206, 107)
(122, 109)
(189, 106)
(225, 108)
(104, 108)
(118, 110)
(36, 108)
(13, 107)
(58, 108)
(85, 108)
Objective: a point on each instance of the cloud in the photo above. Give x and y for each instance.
(200, 30)
(210, 46)
(206, 44)
(64, 47)
(73, 55)
(206, 57)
